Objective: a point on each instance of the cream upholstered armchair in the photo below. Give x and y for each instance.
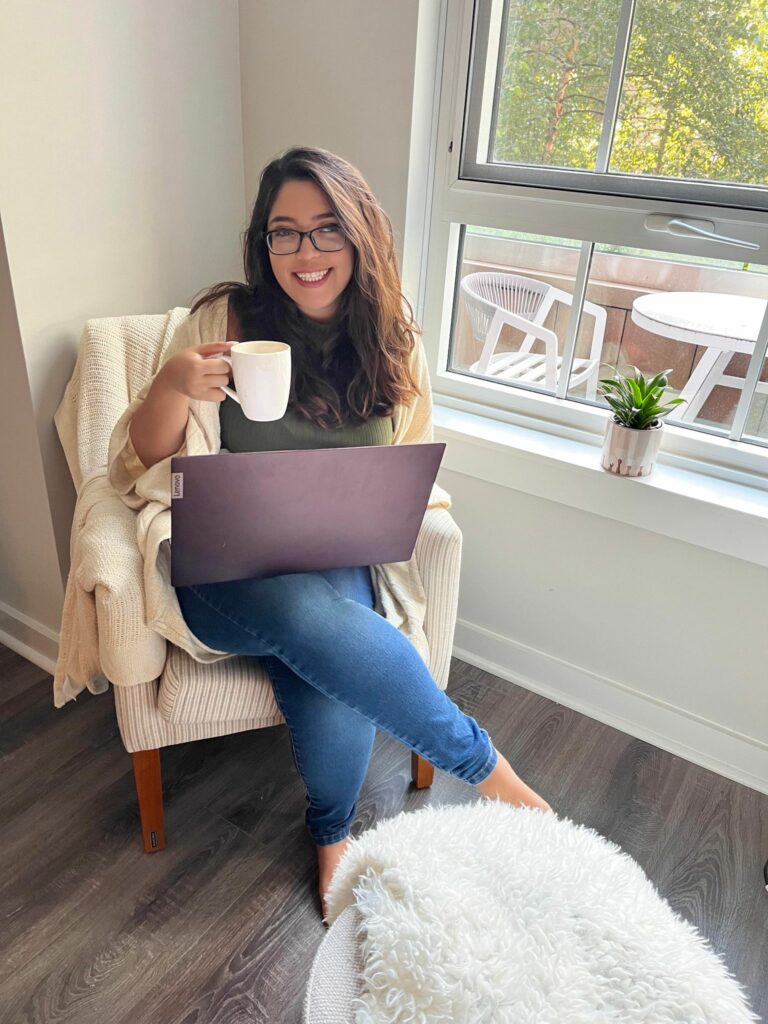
(178, 699)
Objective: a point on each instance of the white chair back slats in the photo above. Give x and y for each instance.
(494, 299)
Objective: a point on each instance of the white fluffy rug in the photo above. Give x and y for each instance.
(489, 914)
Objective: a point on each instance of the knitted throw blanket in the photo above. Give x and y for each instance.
(103, 632)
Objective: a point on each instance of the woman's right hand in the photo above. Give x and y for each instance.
(196, 374)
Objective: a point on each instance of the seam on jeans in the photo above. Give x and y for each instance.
(335, 837)
(482, 773)
(294, 748)
(321, 840)
(318, 840)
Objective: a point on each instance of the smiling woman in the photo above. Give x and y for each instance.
(345, 649)
(313, 265)
(319, 248)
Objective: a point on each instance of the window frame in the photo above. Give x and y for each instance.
(479, 123)
(454, 200)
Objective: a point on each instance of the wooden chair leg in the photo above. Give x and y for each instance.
(422, 772)
(149, 789)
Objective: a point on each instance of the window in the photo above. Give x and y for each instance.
(601, 200)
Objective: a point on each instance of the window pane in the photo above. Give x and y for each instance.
(555, 66)
(653, 310)
(694, 102)
(506, 315)
(698, 319)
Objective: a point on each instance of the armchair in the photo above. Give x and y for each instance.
(173, 698)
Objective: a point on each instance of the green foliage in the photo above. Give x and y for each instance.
(694, 102)
(636, 400)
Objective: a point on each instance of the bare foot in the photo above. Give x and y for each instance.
(509, 787)
(328, 858)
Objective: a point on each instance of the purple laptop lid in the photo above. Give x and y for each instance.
(235, 516)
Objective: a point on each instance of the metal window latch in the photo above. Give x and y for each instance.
(686, 227)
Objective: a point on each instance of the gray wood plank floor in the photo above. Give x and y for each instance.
(221, 927)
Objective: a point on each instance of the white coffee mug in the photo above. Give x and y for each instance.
(262, 376)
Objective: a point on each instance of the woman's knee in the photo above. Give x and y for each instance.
(300, 603)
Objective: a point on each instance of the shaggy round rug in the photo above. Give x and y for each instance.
(489, 914)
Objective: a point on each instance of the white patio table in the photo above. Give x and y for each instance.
(724, 323)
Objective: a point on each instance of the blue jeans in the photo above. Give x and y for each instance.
(339, 671)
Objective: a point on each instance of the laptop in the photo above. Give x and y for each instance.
(254, 514)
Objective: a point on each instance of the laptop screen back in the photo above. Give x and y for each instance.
(235, 516)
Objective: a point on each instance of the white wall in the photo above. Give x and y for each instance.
(30, 583)
(660, 638)
(336, 75)
(121, 177)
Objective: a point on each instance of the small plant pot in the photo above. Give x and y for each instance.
(628, 451)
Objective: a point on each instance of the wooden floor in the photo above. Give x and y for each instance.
(221, 927)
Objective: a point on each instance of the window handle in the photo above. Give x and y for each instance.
(701, 228)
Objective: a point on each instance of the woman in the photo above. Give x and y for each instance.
(320, 274)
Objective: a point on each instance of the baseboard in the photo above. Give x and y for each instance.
(697, 739)
(29, 638)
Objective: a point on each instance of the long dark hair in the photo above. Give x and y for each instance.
(364, 370)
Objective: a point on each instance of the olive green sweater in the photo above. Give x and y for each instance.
(239, 434)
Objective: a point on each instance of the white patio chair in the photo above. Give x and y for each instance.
(496, 299)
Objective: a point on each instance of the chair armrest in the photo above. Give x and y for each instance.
(438, 557)
(591, 309)
(110, 565)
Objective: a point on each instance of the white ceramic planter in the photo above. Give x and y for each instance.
(628, 451)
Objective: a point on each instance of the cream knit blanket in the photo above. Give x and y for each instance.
(120, 607)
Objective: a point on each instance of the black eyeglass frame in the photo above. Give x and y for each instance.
(302, 235)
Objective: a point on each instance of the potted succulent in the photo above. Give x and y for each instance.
(633, 436)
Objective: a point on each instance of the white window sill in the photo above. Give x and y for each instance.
(720, 515)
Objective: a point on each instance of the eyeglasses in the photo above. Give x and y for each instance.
(284, 241)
